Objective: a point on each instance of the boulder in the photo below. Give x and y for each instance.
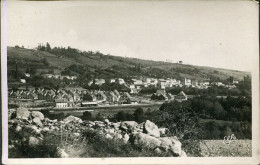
(22, 113)
(37, 121)
(37, 114)
(118, 136)
(131, 125)
(158, 151)
(183, 154)
(107, 121)
(18, 128)
(72, 119)
(33, 128)
(61, 153)
(166, 143)
(175, 148)
(162, 131)
(144, 140)
(110, 131)
(33, 141)
(108, 136)
(11, 113)
(151, 129)
(76, 134)
(126, 138)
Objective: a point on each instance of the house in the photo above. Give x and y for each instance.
(125, 98)
(47, 75)
(24, 94)
(121, 81)
(133, 90)
(218, 83)
(112, 80)
(56, 76)
(61, 103)
(89, 104)
(23, 80)
(40, 95)
(181, 97)
(187, 82)
(27, 75)
(169, 96)
(68, 97)
(101, 96)
(49, 97)
(88, 97)
(116, 93)
(133, 100)
(159, 96)
(32, 96)
(162, 91)
(111, 97)
(235, 82)
(137, 81)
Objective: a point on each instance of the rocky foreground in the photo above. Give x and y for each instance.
(145, 135)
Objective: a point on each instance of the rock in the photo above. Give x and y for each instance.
(162, 131)
(11, 146)
(18, 128)
(37, 121)
(183, 154)
(61, 153)
(107, 121)
(33, 128)
(108, 136)
(115, 125)
(46, 129)
(76, 134)
(147, 141)
(126, 138)
(151, 129)
(128, 124)
(118, 136)
(22, 113)
(166, 143)
(158, 151)
(11, 113)
(37, 114)
(176, 146)
(110, 131)
(33, 141)
(100, 125)
(72, 119)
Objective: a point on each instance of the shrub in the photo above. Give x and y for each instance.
(182, 122)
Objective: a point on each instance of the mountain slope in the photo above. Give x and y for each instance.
(107, 65)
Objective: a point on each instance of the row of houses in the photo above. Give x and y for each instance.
(162, 95)
(58, 76)
(71, 97)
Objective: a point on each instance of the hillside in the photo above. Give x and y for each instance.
(108, 66)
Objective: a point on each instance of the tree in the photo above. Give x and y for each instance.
(139, 115)
(86, 116)
(48, 47)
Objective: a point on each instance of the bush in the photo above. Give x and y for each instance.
(139, 115)
(86, 116)
(182, 122)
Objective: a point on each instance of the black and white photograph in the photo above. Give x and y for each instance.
(130, 79)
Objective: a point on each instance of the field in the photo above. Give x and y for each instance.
(217, 148)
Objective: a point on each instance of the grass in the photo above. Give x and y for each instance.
(237, 148)
(34, 57)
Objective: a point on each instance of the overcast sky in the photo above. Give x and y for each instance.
(216, 33)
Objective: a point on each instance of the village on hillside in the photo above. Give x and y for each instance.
(80, 97)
